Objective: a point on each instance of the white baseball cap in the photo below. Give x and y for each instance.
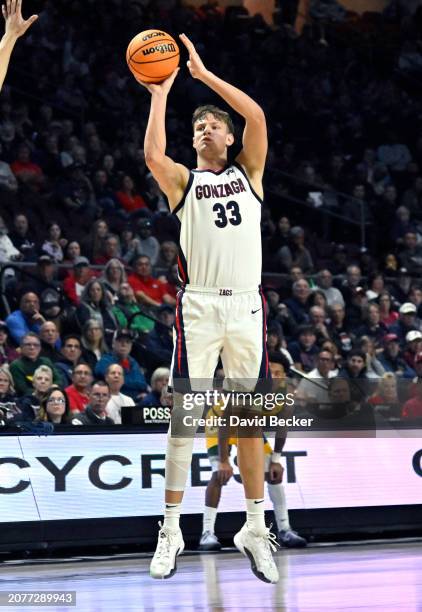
(413, 335)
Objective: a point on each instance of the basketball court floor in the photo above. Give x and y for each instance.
(383, 577)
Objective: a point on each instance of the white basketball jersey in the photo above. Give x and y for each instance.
(220, 235)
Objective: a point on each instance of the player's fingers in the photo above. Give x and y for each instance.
(188, 43)
(3, 10)
(19, 7)
(8, 8)
(30, 21)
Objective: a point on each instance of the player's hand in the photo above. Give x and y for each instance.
(163, 87)
(16, 25)
(195, 64)
(225, 472)
(275, 473)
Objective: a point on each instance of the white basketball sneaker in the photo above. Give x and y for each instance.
(170, 544)
(209, 541)
(258, 548)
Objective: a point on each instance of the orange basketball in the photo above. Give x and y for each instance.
(152, 56)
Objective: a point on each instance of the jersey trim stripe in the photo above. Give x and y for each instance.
(216, 172)
(185, 193)
(180, 363)
(183, 267)
(239, 167)
(263, 374)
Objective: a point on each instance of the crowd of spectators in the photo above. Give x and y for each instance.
(75, 193)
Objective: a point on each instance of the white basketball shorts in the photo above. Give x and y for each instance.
(225, 322)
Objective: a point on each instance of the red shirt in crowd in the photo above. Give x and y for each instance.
(131, 203)
(412, 409)
(77, 401)
(151, 286)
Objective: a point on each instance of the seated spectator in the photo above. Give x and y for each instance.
(375, 286)
(76, 281)
(72, 252)
(374, 368)
(26, 170)
(159, 381)
(54, 244)
(30, 403)
(412, 198)
(22, 237)
(372, 325)
(8, 182)
(96, 411)
(27, 318)
(54, 407)
(75, 192)
(331, 347)
(295, 253)
(50, 341)
(304, 350)
(8, 251)
(104, 193)
(148, 290)
(23, 369)
(317, 298)
(95, 304)
(128, 312)
(355, 308)
(9, 402)
(406, 322)
(93, 342)
(411, 255)
(78, 391)
(317, 392)
(388, 316)
(276, 342)
(298, 303)
(160, 340)
(318, 320)
(412, 408)
(113, 276)
(70, 354)
(415, 297)
(324, 281)
(114, 376)
(169, 252)
(412, 347)
(351, 282)
(385, 398)
(7, 352)
(110, 250)
(355, 370)
(128, 198)
(93, 245)
(402, 225)
(391, 359)
(145, 244)
(339, 330)
(134, 385)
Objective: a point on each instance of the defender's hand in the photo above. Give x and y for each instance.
(275, 473)
(163, 87)
(15, 24)
(225, 472)
(195, 64)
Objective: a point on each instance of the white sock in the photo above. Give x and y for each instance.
(172, 516)
(278, 499)
(210, 514)
(255, 517)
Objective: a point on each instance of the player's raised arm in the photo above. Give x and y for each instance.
(254, 151)
(171, 177)
(15, 27)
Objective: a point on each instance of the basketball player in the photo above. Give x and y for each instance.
(220, 307)
(15, 27)
(219, 449)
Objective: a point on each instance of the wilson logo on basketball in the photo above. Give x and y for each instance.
(159, 49)
(153, 35)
